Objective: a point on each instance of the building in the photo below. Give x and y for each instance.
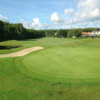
(86, 33)
(95, 33)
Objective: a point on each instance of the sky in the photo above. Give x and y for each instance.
(51, 14)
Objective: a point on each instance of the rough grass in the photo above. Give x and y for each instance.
(15, 84)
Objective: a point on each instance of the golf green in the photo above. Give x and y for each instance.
(62, 63)
(66, 69)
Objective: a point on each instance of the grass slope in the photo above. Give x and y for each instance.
(16, 84)
(63, 64)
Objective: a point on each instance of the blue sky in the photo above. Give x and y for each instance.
(46, 14)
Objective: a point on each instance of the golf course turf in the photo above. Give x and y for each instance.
(63, 64)
(66, 69)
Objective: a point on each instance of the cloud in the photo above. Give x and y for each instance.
(55, 18)
(33, 25)
(36, 20)
(37, 25)
(88, 10)
(5, 19)
(86, 14)
(69, 12)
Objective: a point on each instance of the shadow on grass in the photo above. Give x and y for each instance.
(33, 39)
(8, 47)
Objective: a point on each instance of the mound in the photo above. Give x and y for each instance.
(62, 63)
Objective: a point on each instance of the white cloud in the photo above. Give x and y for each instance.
(38, 26)
(91, 4)
(69, 12)
(55, 18)
(36, 20)
(33, 25)
(89, 10)
(5, 19)
(87, 14)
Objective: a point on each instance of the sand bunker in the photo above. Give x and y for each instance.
(22, 52)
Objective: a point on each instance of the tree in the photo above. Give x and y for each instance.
(18, 32)
(74, 32)
(1, 31)
(62, 33)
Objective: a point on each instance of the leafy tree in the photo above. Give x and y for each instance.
(62, 33)
(74, 32)
(50, 33)
(1, 31)
(17, 31)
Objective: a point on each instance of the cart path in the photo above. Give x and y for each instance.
(22, 52)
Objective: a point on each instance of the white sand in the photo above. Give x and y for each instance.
(22, 52)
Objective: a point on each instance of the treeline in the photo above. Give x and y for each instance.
(16, 31)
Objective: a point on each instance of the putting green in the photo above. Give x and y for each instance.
(62, 63)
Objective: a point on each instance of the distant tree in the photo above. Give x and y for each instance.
(89, 29)
(2, 34)
(74, 32)
(17, 31)
(50, 33)
(62, 33)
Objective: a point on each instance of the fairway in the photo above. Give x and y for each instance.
(49, 49)
(66, 69)
(63, 63)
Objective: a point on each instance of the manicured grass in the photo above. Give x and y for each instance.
(48, 42)
(63, 64)
(67, 69)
